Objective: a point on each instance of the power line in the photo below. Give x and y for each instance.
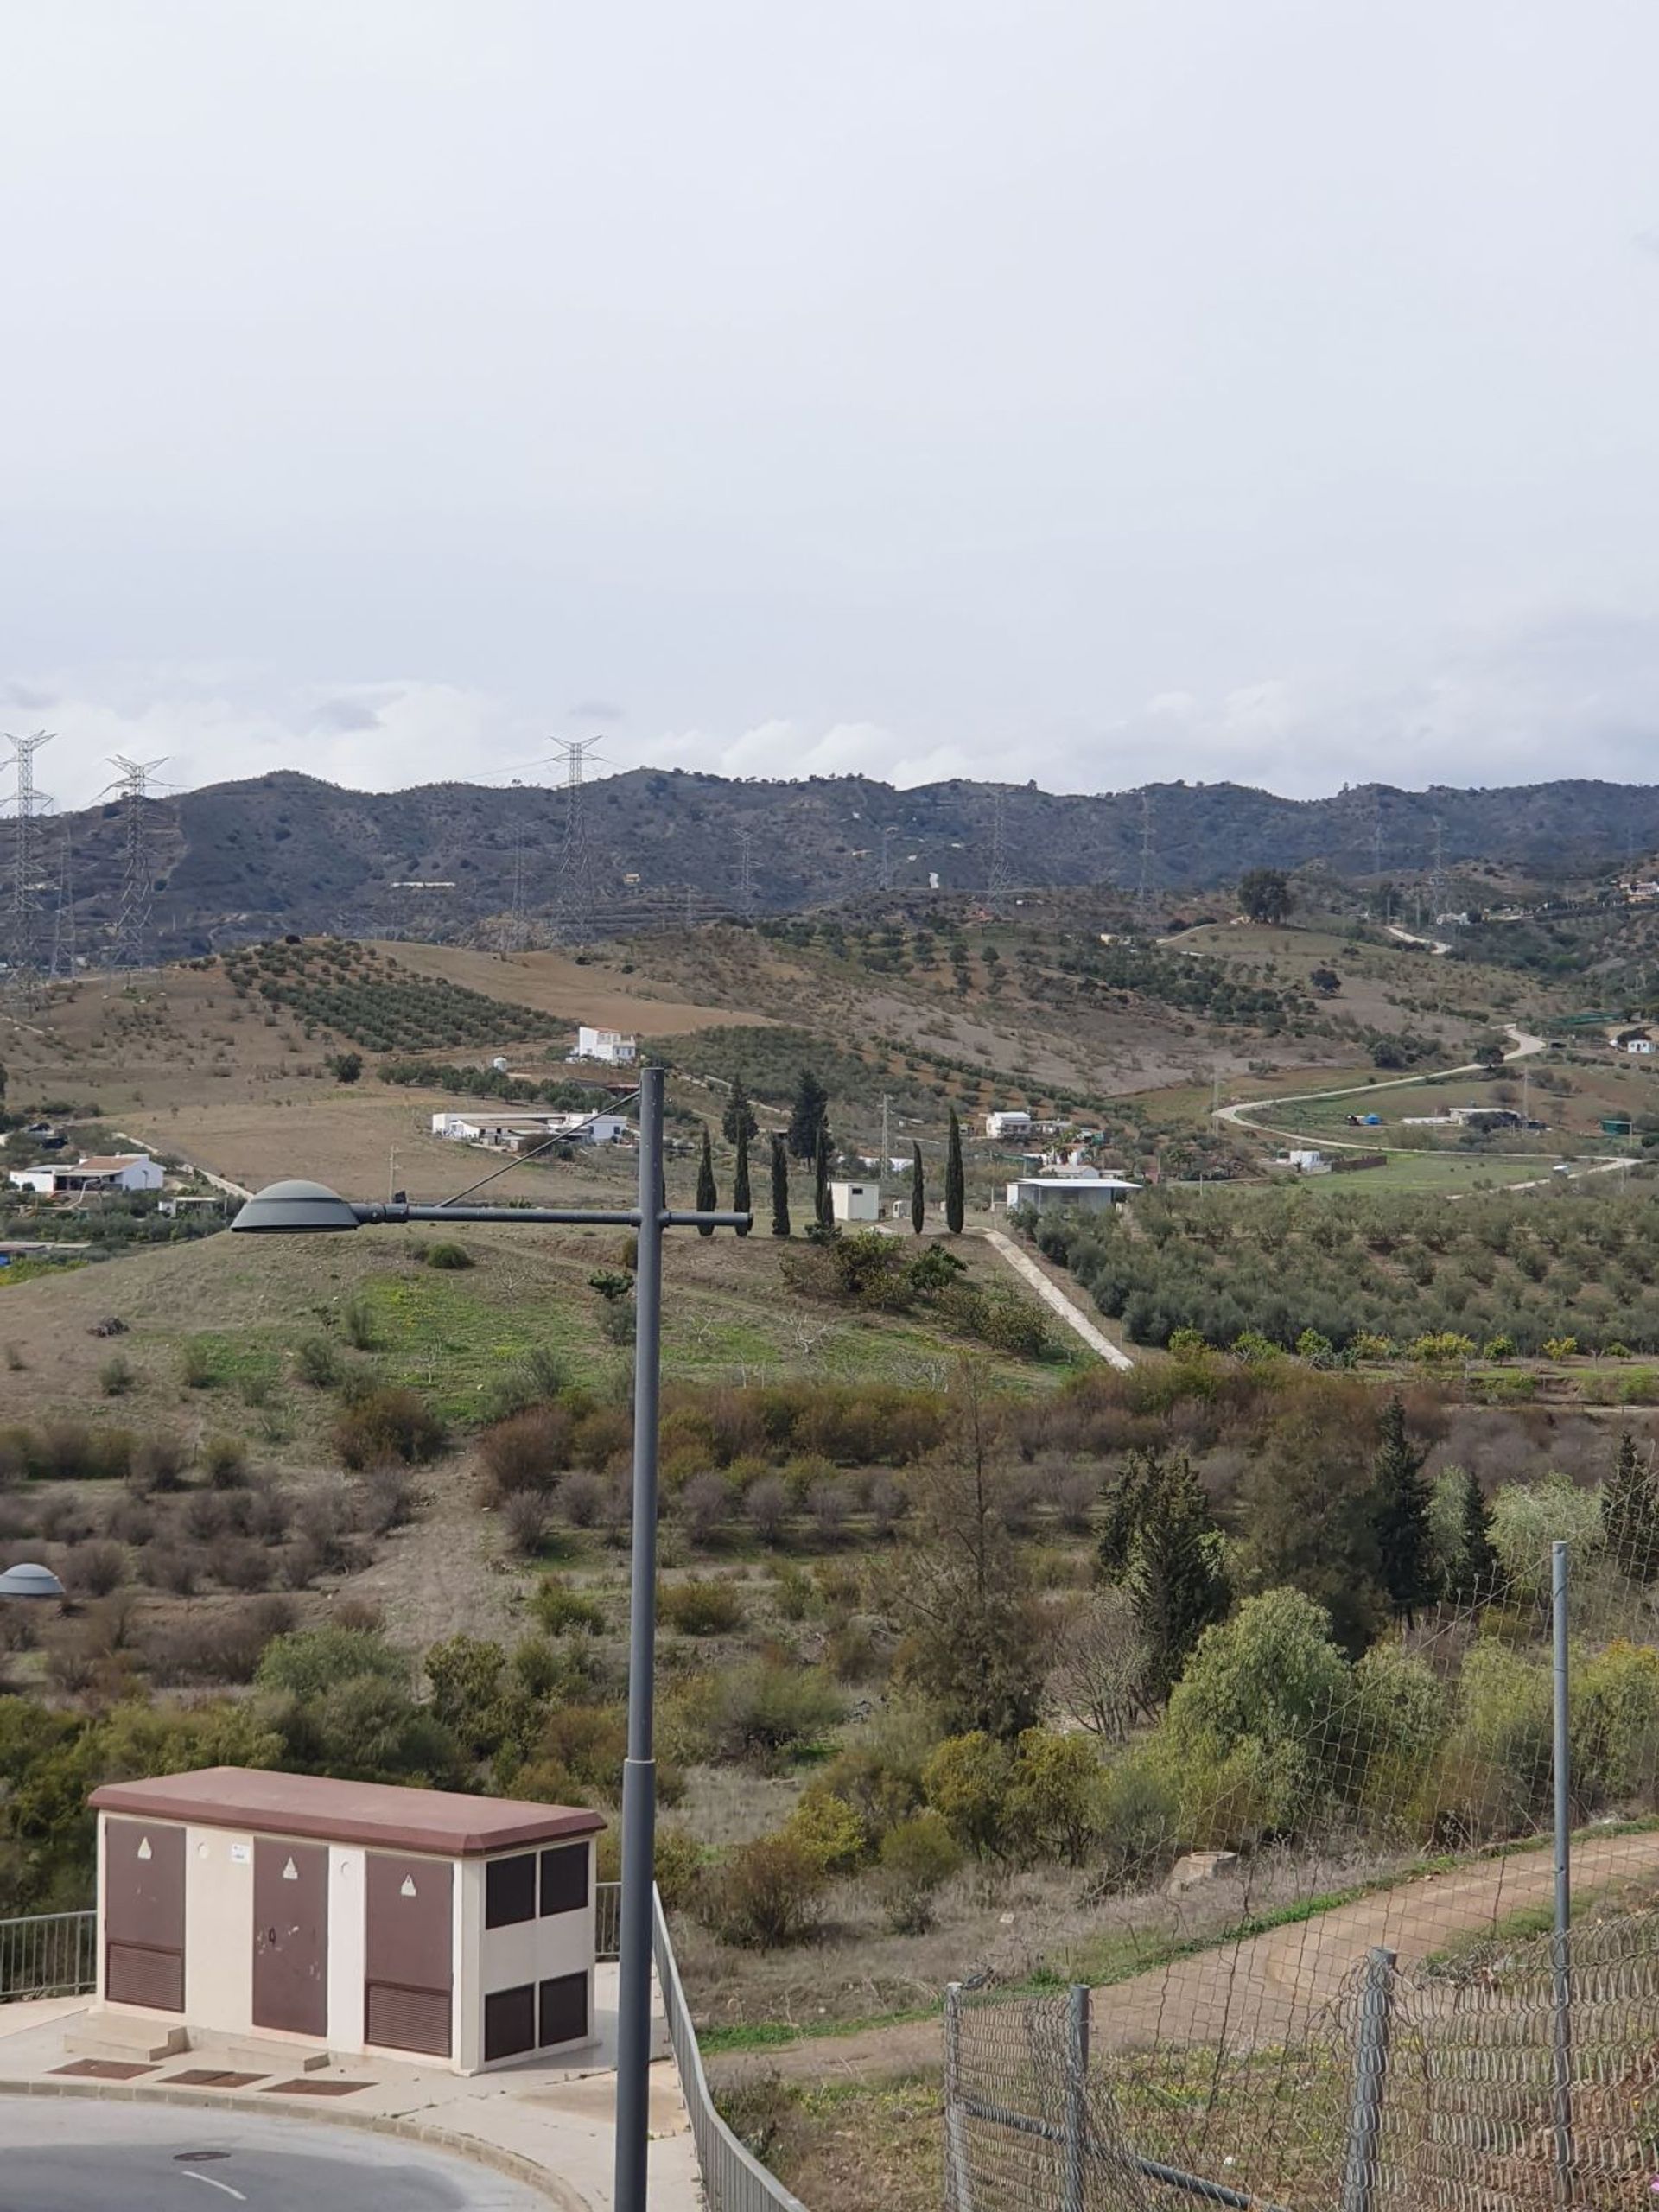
(64, 958)
(26, 803)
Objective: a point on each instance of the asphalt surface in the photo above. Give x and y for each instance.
(76, 2154)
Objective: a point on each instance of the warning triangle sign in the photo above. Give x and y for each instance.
(290, 1873)
(143, 1847)
(407, 1889)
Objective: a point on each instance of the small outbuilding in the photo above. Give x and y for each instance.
(855, 1201)
(351, 1915)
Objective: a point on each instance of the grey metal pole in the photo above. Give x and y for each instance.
(958, 2182)
(639, 1771)
(1561, 1938)
(1076, 2096)
(1359, 2173)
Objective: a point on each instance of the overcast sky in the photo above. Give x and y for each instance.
(1100, 391)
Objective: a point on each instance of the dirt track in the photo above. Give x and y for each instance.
(1258, 1992)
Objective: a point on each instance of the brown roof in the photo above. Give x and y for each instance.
(444, 1822)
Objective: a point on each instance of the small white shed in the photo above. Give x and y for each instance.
(855, 1201)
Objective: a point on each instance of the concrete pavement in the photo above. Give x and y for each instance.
(548, 2124)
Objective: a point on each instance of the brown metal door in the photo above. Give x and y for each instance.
(143, 1915)
(408, 1953)
(290, 1936)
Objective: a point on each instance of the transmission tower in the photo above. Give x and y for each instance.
(131, 948)
(574, 900)
(998, 884)
(516, 936)
(1143, 881)
(64, 955)
(27, 804)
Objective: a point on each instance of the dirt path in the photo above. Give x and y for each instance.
(1055, 1299)
(434, 1578)
(1261, 1991)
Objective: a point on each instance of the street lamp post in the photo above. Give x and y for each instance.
(298, 1208)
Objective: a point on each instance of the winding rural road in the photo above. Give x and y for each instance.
(1526, 1045)
(1263, 1990)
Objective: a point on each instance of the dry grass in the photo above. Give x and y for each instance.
(552, 983)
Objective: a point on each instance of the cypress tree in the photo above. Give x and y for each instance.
(1400, 1498)
(821, 1204)
(1177, 1578)
(741, 1201)
(780, 1225)
(917, 1190)
(811, 1112)
(1474, 1575)
(739, 1119)
(708, 1194)
(956, 1188)
(1630, 1512)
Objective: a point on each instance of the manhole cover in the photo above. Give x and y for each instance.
(197, 2158)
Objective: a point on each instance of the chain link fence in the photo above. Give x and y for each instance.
(1345, 1969)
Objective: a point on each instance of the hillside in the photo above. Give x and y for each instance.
(287, 852)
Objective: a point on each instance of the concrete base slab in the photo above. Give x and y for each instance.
(100, 2034)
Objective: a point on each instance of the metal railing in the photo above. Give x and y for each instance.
(607, 1919)
(733, 2179)
(48, 1955)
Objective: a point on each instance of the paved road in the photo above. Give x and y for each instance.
(1054, 1297)
(1526, 1046)
(1261, 1991)
(78, 2154)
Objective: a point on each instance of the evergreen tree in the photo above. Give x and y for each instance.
(739, 1119)
(1401, 1497)
(1178, 1577)
(1472, 1577)
(708, 1194)
(741, 1201)
(821, 1206)
(955, 1187)
(1630, 1512)
(917, 1190)
(780, 1225)
(810, 1114)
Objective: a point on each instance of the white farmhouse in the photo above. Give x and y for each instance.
(1016, 1123)
(609, 1045)
(121, 1171)
(855, 1201)
(1069, 1194)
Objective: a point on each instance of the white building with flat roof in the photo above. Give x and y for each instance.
(1014, 1123)
(855, 1201)
(1069, 1194)
(611, 1046)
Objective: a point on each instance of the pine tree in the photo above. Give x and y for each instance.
(739, 1117)
(741, 1201)
(780, 1224)
(1177, 1577)
(708, 1194)
(917, 1190)
(955, 1182)
(811, 1112)
(821, 1206)
(1630, 1512)
(1473, 1577)
(1400, 1498)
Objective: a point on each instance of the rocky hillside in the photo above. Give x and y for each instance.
(286, 852)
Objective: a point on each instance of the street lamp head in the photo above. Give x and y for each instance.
(296, 1206)
(28, 1580)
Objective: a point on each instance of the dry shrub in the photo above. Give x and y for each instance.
(158, 1462)
(327, 1523)
(219, 1647)
(174, 1567)
(388, 1499)
(240, 1564)
(224, 1462)
(528, 1453)
(704, 1504)
(71, 1662)
(767, 1506)
(130, 1521)
(94, 1570)
(64, 1521)
(386, 1425)
(205, 1515)
(526, 1515)
(769, 1893)
(581, 1497)
(269, 1511)
(889, 1501)
(702, 1606)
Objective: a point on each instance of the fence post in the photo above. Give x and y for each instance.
(958, 2188)
(1561, 1936)
(1076, 2096)
(1370, 2072)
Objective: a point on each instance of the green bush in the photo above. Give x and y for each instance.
(559, 1609)
(224, 1462)
(317, 1362)
(449, 1258)
(769, 1893)
(918, 1856)
(306, 1662)
(197, 1369)
(116, 1377)
(701, 1607)
(766, 1713)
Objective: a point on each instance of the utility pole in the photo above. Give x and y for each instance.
(887, 1148)
(26, 802)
